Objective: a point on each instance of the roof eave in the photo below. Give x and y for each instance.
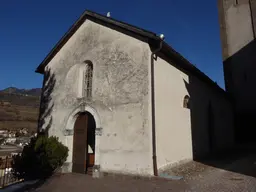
(190, 67)
(141, 32)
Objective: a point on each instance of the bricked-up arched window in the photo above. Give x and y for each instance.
(88, 79)
(186, 102)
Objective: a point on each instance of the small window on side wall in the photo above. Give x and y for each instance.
(186, 102)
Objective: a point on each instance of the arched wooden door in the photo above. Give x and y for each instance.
(83, 143)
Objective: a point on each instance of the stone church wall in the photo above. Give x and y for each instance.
(120, 96)
(185, 133)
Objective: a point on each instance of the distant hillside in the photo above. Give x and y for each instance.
(14, 90)
(19, 108)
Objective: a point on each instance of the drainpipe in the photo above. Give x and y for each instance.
(153, 106)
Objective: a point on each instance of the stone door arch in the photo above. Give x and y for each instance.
(69, 131)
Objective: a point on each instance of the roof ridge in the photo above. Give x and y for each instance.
(92, 13)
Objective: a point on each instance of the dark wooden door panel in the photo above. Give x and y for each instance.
(79, 144)
(91, 157)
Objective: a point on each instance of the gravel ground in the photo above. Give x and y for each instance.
(197, 177)
(232, 172)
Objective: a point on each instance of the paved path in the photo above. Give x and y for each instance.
(77, 183)
(238, 176)
(18, 186)
(208, 179)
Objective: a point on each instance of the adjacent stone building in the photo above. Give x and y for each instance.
(238, 27)
(124, 101)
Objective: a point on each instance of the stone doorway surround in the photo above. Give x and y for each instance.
(69, 131)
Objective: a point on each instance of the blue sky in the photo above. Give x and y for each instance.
(29, 29)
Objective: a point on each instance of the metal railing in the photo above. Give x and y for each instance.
(6, 176)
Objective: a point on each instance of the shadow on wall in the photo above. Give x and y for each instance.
(240, 81)
(200, 111)
(206, 140)
(46, 104)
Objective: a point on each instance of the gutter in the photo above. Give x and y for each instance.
(153, 107)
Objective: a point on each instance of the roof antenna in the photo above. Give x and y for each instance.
(108, 14)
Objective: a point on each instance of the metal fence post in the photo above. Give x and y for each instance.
(6, 161)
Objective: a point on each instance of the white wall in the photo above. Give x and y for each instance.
(183, 134)
(173, 132)
(238, 27)
(120, 96)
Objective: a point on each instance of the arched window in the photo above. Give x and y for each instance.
(88, 79)
(186, 102)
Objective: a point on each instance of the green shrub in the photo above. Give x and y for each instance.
(40, 158)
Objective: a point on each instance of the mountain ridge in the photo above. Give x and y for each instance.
(15, 90)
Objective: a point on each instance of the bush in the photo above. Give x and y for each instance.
(40, 158)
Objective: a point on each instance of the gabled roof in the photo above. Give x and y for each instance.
(166, 49)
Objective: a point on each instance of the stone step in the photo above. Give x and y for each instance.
(89, 170)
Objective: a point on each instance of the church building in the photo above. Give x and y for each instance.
(124, 101)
